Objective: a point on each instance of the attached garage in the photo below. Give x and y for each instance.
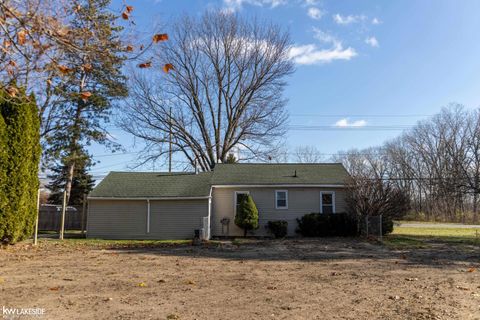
(131, 205)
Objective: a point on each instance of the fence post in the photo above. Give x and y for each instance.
(83, 212)
(64, 208)
(366, 225)
(381, 223)
(35, 237)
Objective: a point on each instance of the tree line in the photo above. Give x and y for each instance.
(436, 165)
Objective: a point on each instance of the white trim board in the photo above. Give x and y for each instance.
(279, 186)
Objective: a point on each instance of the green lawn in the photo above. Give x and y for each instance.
(421, 237)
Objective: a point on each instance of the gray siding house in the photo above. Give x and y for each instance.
(133, 205)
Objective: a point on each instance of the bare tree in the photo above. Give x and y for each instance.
(307, 154)
(224, 92)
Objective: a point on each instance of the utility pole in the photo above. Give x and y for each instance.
(170, 140)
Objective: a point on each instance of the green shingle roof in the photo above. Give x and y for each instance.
(151, 184)
(286, 173)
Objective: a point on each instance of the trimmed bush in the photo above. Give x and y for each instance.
(247, 215)
(327, 225)
(278, 228)
(19, 160)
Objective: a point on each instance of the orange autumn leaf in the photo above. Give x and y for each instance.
(145, 65)
(12, 91)
(7, 43)
(12, 63)
(160, 37)
(125, 15)
(21, 37)
(472, 270)
(168, 67)
(129, 9)
(87, 67)
(85, 95)
(64, 69)
(129, 48)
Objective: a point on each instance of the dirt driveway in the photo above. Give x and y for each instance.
(291, 279)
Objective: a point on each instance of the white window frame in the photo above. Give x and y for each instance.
(333, 200)
(276, 200)
(235, 201)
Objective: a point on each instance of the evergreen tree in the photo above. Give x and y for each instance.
(92, 82)
(247, 215)
(20, 156)
(82, 182)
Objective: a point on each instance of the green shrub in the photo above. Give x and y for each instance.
(327, 225)
(247, 215)
(20, 142)
(278, 228)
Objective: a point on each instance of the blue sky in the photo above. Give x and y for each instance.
(361, 63)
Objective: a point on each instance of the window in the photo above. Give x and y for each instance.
(281, 199)
(239, 196)
(327, 202)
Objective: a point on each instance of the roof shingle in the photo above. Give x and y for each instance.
(175, 185)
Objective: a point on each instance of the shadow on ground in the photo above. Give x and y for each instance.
(435, 254)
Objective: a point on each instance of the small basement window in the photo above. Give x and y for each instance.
(281, 199)
(327, 202)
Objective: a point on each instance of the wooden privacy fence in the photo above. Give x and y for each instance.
(50, 216)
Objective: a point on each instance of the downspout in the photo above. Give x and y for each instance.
(148, 215)
(209, 213)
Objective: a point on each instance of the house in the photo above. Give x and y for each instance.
(150, 205)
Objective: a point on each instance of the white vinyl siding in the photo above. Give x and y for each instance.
(301, 201)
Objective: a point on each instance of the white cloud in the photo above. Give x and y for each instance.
(372, 41)
(311, 54)
(376, 21)
(315, 13)
(344, 20)
(311, 2)
(345, 123)
(233, 5)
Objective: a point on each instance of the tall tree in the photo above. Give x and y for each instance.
(82, 181)
(92, 82)
(19, 161)
(225, 91)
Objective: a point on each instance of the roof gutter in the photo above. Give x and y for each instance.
(279, 185)
(149, 198)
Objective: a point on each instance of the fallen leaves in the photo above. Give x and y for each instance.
(191, 282)
(462, 288)
(160, 37)
(54, 288)
(411, 279)
(472, 270)
(142, 284)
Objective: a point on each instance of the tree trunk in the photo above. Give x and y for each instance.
(69, 182)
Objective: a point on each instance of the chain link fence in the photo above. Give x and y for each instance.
(371, 226)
